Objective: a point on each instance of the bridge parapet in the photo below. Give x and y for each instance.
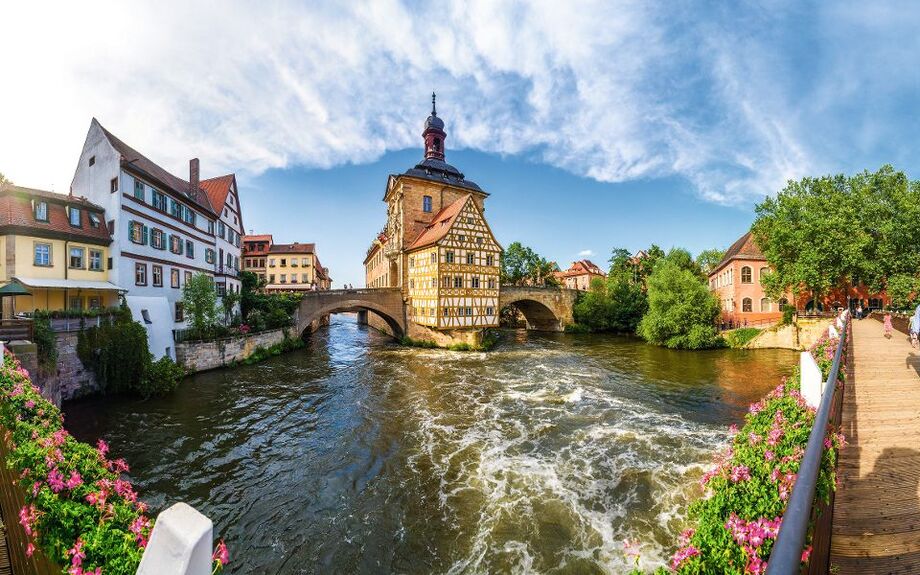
(385, 302)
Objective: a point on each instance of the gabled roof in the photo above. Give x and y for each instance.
(440, 224)
(744, 248)
(134, 160)
(582, 267)
(258, 238)
(217, 190)
(17, 215)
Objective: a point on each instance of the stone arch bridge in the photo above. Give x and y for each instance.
(545, 309)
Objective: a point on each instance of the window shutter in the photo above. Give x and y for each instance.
(145, 235)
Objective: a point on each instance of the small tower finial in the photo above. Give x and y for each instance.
(434, 111)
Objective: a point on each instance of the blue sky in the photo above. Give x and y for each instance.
(592, 123)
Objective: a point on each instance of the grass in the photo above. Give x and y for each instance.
(489, 340)
(740, 337)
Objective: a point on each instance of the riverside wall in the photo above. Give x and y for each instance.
(197, 356)
(799, 335)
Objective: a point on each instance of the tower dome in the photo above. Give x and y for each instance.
(434, 134)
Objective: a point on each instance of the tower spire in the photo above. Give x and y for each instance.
(434, 134)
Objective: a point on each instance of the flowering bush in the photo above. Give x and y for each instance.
(739, 517)
(79, 510)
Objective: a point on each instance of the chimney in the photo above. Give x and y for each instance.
(193, 177)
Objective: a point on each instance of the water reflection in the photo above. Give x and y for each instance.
(355, 455)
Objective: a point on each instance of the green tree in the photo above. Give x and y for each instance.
(902, 289)
(709, 259)
(4, 181)
(681, 310)
(200, 301)
(820, 233)
(520, 265)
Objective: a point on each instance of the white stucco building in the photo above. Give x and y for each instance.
(164, 229)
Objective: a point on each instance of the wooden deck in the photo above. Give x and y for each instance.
(876, 526)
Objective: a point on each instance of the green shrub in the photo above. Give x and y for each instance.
(117, 353)
(161, 377)
(788, 315)
(46, 343)
(462, 346)
(577, 328)
(740, 337)
(423, 343)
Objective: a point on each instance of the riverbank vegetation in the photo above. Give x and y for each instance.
(737, 520)
(738, 338)
(489, 340)
(831, 231)
(79, 511)
(262, 353)
(117, 353)
(520, 265)
(662, 297)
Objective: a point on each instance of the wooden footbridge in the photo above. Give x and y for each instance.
(876, 525)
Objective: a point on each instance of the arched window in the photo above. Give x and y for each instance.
(437, 144)
(746, 304)
(783, 302)
(765, 304)
(764, 271)
(746, 275)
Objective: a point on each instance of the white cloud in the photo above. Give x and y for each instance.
(612, 91)
(585, 253)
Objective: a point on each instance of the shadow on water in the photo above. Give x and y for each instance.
(355, 455)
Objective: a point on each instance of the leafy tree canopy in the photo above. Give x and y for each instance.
(523, 266)
(709, 259)
(681, 310)
(823, 232)
(200, 301)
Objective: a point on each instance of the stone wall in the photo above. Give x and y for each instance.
(800, 335)
(70, 379)
(204, 355)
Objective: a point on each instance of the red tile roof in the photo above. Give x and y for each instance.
(134, 160)
(17, 215)
(440, 224)
(580, 268)
(744, 248)
(217, 190)
(295, 248)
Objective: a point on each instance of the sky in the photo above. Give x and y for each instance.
(592, 124)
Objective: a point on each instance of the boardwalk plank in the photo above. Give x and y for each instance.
(876, 527)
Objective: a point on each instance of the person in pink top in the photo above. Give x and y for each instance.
(888, 325)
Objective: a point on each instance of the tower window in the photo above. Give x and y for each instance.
(437, 144)
(426, 204)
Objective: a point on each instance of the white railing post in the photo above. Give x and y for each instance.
(180, 543)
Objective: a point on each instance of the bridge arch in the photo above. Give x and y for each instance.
(385, 302)
(545, 309)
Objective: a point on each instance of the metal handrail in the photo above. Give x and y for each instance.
(786, 556)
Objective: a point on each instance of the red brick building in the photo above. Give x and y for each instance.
(736, 282)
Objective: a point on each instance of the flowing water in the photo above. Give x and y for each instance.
(355, 455)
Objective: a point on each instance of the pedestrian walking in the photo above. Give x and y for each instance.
(888, 325)
(859, 312)
(915, 327)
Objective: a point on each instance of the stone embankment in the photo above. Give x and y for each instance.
(799, 335)
(197, 356)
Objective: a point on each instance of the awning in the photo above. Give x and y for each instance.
(67, 284)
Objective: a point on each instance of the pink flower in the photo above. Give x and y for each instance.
(769, 455)
(806, 554)
(753, 438)
(30, 404)
(733, 429)
(55, 480)
(30, 549)
(74, 481)
(222, 555)
(682, 555)
(103, 447)
(740, 473)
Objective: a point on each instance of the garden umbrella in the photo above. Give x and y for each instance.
(13, 289)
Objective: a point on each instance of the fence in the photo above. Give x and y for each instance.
(786, 556)
(13, 329)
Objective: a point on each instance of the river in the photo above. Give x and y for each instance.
(356, 455)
